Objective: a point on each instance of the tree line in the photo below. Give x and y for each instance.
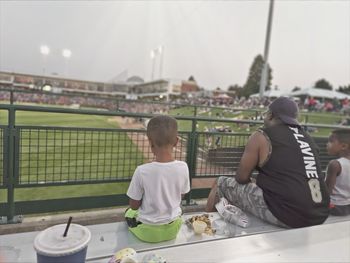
(252, 84)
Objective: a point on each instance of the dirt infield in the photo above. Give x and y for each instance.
(143, 146)
(127, 123)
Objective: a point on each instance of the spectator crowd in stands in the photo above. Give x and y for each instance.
(327, 105)
(310, 104)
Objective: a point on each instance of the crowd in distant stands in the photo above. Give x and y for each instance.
(328, 105)
(45, 99)
(138, 107)
(310, 104)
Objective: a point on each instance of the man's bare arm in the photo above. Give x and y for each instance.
(333, 170)
(255, 152)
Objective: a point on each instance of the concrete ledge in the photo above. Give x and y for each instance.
(91, 217)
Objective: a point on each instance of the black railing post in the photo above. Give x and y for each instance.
(306, 118)
(116, 105)
(195, 110)
(192, 155)
(10, 166)
(11, 96)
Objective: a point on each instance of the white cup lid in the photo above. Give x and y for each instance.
(51, 242)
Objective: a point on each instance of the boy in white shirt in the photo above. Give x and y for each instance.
(338, 172)
(156, 188)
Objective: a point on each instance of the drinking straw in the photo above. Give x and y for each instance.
(67, 226)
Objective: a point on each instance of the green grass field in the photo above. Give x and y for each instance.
(314, 117)
(37, 153)
(48, 156)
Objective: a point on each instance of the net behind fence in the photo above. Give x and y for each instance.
(73, 155)
(219, 154)
(49, 155)
(2, 156)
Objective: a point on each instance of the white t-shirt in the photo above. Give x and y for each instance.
(159, 186)
(341, 190)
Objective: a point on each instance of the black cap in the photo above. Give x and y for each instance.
(285, 109)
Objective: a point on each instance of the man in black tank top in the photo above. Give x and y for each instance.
(290, 190)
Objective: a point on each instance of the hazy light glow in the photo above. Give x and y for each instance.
(45, 50)
(47, 88)
(66, 53)
(160, 49)
(213, 41)
(152, 54)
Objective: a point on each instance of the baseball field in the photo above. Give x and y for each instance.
(82, 166)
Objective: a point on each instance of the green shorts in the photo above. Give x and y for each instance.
(152, 233)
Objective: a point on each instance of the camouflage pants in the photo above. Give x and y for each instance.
(248, 197)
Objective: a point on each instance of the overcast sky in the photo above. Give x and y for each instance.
(215, 41)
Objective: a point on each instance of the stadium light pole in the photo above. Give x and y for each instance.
(66, 53)
(153, 57)
(263, 79)
(154, 53)
(161, 53)
(45, 51)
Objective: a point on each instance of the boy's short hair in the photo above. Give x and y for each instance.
(343, 135)
(162, 130)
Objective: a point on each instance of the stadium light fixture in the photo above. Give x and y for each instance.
(160, 49)
(45, 50)
(152, 54)
(66, 53)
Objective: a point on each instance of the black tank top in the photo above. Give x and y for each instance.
(292, 180)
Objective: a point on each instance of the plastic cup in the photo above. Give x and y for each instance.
(199, 227)
(52, 247)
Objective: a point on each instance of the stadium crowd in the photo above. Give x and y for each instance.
(310, 104)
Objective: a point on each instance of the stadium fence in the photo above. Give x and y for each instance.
(36, 156)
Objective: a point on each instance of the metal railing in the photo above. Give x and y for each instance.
(43, 156)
